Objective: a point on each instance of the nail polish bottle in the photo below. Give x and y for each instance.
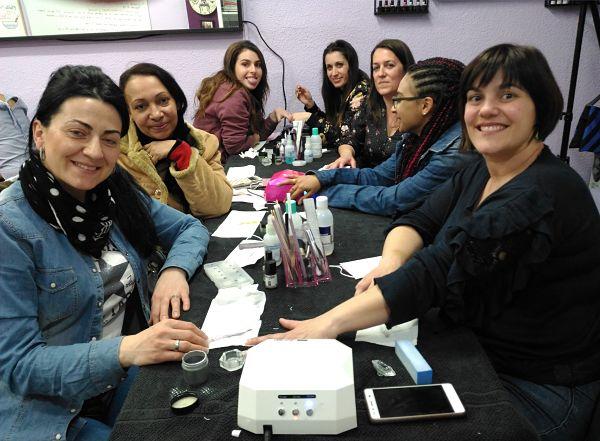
(270, 277)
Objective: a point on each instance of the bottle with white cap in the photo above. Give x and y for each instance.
(315, 143)
(325, 222)
(271, 241)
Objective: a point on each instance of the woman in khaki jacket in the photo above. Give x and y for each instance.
(174, 162)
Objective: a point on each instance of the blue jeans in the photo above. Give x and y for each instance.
(88, 429)
(558, 413)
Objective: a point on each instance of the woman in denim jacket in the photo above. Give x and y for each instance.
(75, 234)
(427, 155)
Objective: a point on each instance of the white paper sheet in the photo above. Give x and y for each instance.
(234, 316)
(239, 224)
(256, 197)
(381, 335)
(360, 268)
(248, 256)
(246, 171)
(249, 154)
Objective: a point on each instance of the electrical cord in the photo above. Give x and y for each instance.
(278, 56)
(268, 433)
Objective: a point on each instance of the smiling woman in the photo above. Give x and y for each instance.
(231, 102)
(174, 162)
(508, 246)
(370, 139)
(85, 122)
(74, 307)
(344, 88)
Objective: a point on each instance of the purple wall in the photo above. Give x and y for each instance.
(299, 30)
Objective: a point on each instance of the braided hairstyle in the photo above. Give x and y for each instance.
(438, 78)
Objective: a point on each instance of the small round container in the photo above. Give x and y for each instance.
(182, 401)
(195, 367)
(299, 163)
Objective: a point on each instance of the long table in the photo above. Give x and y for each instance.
(454, 354)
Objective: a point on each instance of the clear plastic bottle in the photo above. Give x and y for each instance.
(325, 222)
(316, 144)
(308, 153)
(292, 211)
(290, 151)
(271, 241)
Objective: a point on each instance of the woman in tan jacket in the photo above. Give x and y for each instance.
(173, 161)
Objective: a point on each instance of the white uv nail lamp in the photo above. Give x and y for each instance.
(298, 387)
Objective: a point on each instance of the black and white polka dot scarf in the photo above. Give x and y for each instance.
(86, 224)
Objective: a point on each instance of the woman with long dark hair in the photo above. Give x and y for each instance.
(231, 102)
(344, 87)
(371, 138)
(75, 234)
(173, 161)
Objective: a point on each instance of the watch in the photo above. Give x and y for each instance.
(203, 7)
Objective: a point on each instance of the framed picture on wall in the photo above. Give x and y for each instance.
(101, 19)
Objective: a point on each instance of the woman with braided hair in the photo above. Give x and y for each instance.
(428, 154)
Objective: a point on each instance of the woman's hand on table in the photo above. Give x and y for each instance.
(158, 150)
(172, 289)
(384, 268)
(164, 341)
(301, 184)
(318, 327)
(279, 113)
(304, 96)
(346, 158)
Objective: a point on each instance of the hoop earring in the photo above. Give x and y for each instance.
(42, 154)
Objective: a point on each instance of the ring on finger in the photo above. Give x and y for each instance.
(176, 345)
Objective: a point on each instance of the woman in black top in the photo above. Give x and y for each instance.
(371, 138)
(509, 246)
(344, 88)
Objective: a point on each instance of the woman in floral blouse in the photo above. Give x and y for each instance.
(370, 140)
(344, 88)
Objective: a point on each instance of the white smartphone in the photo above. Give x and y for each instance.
(419, 402)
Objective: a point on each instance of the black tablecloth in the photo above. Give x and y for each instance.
(454, 354)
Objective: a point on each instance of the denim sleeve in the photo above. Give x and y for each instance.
(382, 175)
(28, 365)
(400, 198)
(182, 234)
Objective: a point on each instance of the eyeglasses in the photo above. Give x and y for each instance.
(398, 99)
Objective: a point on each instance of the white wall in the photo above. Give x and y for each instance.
(299, 30)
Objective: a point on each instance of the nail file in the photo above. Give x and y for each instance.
(311, 217)
(413, 361)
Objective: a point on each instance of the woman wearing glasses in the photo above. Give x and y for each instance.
(426, 107)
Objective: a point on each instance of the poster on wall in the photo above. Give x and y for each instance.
(76, 19)
(11, 19)
(61, 17)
